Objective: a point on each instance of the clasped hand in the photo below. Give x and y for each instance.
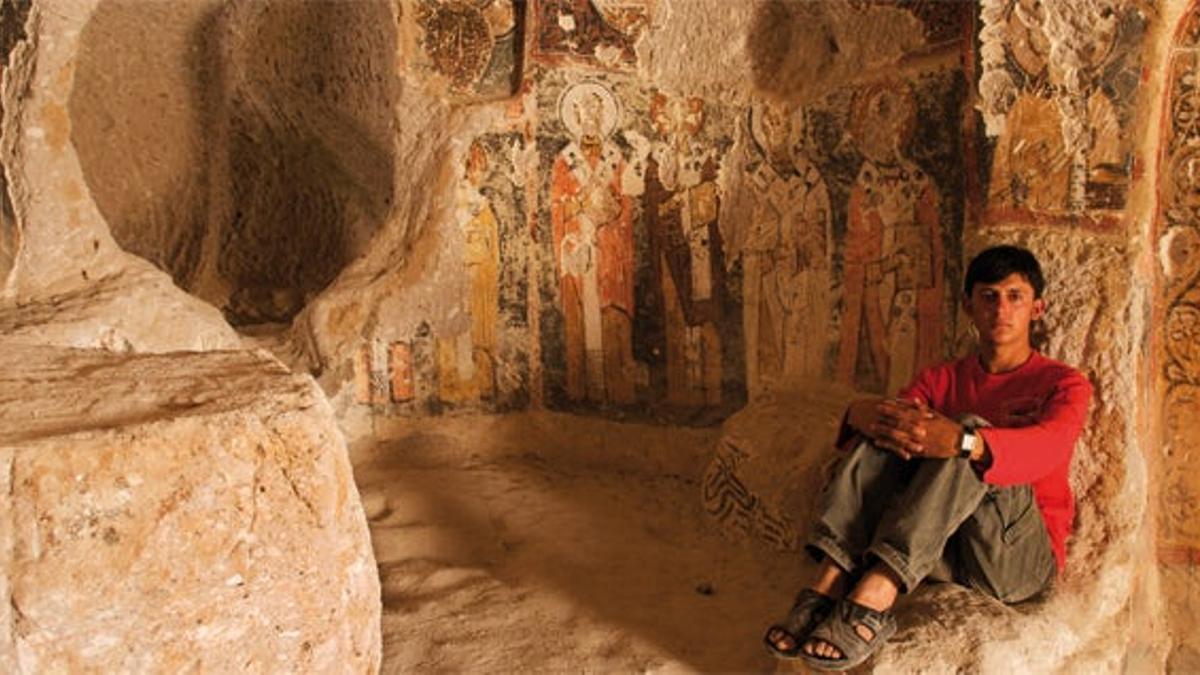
(907, 428)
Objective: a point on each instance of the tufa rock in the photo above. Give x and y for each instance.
(177, 512)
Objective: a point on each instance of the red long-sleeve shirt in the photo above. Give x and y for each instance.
(1037, 412)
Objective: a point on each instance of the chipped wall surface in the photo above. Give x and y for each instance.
(1176, 340)
(618, 239)
(1058, 87)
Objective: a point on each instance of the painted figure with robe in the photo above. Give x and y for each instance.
(1060, 149)
(466, 361)
(592, 226)
(786, 253)
(893, 259)
(681, 209)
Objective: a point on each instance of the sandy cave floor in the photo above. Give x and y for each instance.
(519, 564)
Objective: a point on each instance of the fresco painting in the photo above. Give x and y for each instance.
(593, 32)
(476, 358)
(475, 45)
(635, 213)
(466, 362)
(592, 220)
(1063, 155)
(633, 252)
(893, 258)
(680, 209)
(400, 369)
(786, 251)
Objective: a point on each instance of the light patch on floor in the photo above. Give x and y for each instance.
(516, 564)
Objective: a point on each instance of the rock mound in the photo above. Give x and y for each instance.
(177, 512)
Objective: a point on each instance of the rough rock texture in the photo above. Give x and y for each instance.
(798, 51)
(257, 141)
(136, 309)
(182, 512)
(57, 251)
(764, 478)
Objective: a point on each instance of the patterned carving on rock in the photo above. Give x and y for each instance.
(735, 507)
(1179, 303)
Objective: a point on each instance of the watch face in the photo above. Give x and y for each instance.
(969, 440)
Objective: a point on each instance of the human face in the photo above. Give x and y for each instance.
(1002, 311)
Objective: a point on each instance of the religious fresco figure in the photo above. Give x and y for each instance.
(786, 253)
(681, 206)
(893, 259)
(466, 361)
(591, 218)
(1060, 149)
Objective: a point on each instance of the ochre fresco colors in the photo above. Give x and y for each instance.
(1061, 154)
(631, 251)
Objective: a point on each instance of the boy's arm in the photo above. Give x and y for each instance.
(1021, 455)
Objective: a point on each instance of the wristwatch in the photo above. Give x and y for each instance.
(967, 443)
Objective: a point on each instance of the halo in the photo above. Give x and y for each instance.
(569, 101)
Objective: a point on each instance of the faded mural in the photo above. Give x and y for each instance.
(1059, 149)
(1179, 338)
(591, 32)
(478, 358)
(640, 253)
(785, 247)
(636, 294)
(476, 46)
(891, 155)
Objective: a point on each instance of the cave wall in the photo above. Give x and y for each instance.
(1175, 358)
(766, 174)
(618, 236)
(1042, 130)
(245, 148)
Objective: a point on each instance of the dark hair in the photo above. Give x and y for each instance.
(996, 263)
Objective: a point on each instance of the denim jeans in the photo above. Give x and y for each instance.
(917, 515)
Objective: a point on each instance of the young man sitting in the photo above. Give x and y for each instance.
(965, 470)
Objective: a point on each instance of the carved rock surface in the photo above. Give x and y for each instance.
(770, 457)
(177, 512)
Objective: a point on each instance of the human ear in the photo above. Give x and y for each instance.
(1039, 308)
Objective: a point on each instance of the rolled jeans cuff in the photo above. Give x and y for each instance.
(823, 544)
